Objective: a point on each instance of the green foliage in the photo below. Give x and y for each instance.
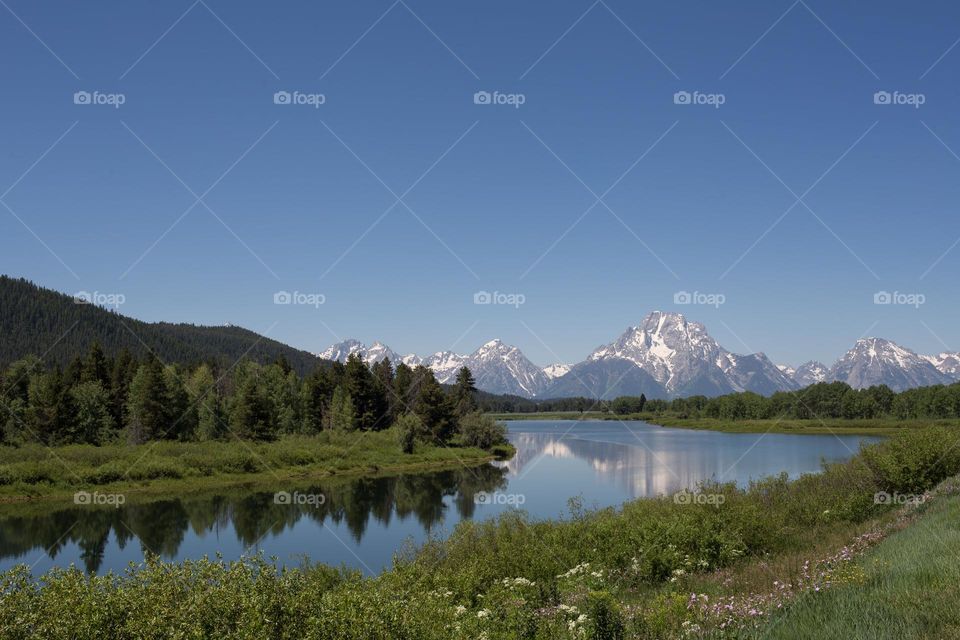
(410, 429)
(465, 391)
(482, 431)
(341, 416)
(433, 407)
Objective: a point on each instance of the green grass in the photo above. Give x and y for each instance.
(877, 427)
(910, 588)
(35, 471)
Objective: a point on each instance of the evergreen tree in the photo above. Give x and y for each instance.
(95, 367)
(317, 393)
(48, 411)
(205, 401)
(465, 392)
(93, 424)
(124, 368)
(435, 409)
(403, 390)
(250, 413)
(181, 416)
(369, 400)
(342, 414)
(147, 403)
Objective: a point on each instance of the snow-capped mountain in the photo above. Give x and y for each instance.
(370, 355)
(496, 367)
(667, 356)
(343, 350)
(874, 361)
(946, 363)
(811, 372)
(679, 355)
(501, 368)
(556, 370)
(445, 365)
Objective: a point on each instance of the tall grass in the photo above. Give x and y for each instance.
(35, 469)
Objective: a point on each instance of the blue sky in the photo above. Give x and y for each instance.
(198, 198)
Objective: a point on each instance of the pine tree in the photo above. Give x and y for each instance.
(317, 392)
(435, 409)
(403, 392)
(93, 424)
(465, 393)
(147, 403)
(202, 392)
(181, 417)
(250, 413)
(95, 367)
(342, 414)
(369, 401)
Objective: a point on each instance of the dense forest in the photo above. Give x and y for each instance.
(834, 400)
(98, 399)
(34, 320)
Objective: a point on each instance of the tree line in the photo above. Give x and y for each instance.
(836, 400)
(98, 399)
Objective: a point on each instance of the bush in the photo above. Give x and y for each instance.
(480, 430)
(409, 427)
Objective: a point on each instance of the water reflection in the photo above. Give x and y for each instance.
(161, 526)
(646, 460)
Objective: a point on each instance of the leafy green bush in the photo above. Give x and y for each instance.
(409, 428)
(482, 431)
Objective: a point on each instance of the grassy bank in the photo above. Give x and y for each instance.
(34, 471)
(879, 426)
(907, 587)
(611, 573)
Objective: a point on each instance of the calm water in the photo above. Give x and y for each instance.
(362, 523)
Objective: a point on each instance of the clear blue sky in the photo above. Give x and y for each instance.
(503, 186)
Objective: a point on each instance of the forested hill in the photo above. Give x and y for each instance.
(43, 322)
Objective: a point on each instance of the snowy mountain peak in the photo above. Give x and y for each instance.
(556, 370)
(874, 361)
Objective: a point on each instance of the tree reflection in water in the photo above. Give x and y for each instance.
(161, 525)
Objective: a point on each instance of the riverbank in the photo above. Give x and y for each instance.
(611, 573)
(875, 427)
(34, 472)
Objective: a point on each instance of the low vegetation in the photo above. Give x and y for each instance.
(638, 571)
(33, 470)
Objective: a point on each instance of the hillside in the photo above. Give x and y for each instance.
(39, 321)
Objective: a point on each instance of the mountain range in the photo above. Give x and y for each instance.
(668, 356)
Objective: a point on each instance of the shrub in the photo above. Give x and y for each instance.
(480, 430)
(409, 428)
